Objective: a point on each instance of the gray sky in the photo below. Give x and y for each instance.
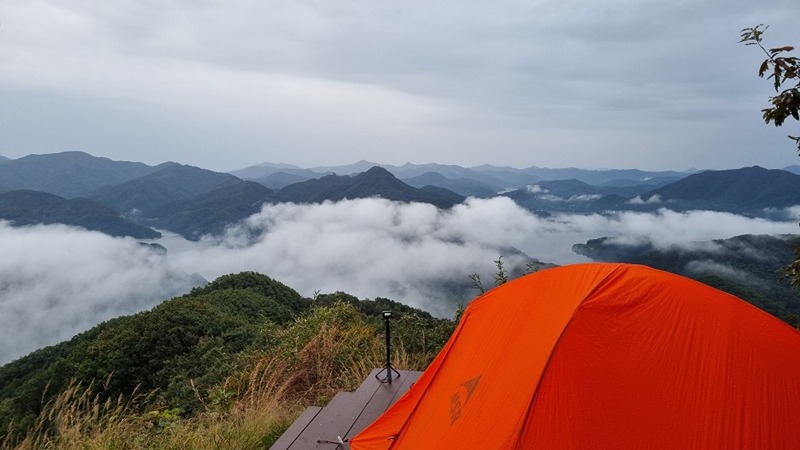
(650, 84)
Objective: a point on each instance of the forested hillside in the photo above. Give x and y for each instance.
(200, 358)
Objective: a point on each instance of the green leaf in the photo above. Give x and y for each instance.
(775, 51)
(764, 67)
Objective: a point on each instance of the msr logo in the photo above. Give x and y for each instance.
(461, 396)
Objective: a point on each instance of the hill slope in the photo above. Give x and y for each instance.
(171, 183)
(211, 212)
(198, 352)
(26, 207)
(68, 174)
(462, 186)
(376, 182)
(748, 190)
(280, 180)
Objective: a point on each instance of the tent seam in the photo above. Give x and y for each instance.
(598, 285)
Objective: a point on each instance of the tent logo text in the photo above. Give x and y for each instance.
(465, 391)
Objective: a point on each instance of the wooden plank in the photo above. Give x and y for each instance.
(346, 414)
(331, 423)
(295, 429)
(370, 383)
(385, 395)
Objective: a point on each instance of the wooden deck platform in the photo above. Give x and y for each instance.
(329, 427)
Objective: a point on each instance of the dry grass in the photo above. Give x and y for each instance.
(258, 404)
(77, 413)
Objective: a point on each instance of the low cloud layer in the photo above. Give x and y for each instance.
(375, 247)
(56, 281)
(707, 267)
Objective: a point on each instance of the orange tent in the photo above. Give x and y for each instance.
(603, 356)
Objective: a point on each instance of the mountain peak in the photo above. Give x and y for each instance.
(377, 171)
(374, 182)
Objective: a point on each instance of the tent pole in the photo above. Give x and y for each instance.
(387, 315)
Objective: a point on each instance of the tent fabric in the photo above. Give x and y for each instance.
(603, 356)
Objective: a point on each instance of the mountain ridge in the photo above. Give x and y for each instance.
(143, 199)
(27, 207)
(503, 176)
(748, 190)
(68, 174)
(171, 183)
(376, 181)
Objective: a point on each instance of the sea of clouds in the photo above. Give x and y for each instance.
(56, 281)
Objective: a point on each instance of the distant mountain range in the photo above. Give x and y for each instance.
(493, 177)
(752, 191)
(132, 199)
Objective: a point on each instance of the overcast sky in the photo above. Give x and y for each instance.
(650, 84)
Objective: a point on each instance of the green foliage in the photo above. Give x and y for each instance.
(414, 332)
(791, 272)
(159, 420)
(477, 283)
(179, 350)
(201, 353)
(502, 276)
(369, 308)
(261, 285)
(420, 335)
(783, 70)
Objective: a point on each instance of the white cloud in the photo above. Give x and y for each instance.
(56, 281)
(654, 199)
(375, 247)
(707, 267)
(790, 213)
(369, 247)
(584, 198)
(666, 227)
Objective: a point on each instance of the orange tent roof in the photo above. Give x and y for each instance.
(603, 356)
